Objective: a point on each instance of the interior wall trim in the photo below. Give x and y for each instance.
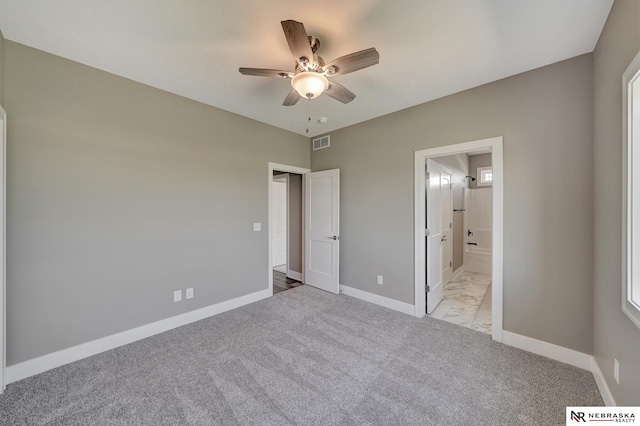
(386, 302)
(546, 349)
(603, 387)
(47, 362)
(3, 250)
(65, 356)
(562, 354)
(539, 347)
(294, 275)
(457, 273)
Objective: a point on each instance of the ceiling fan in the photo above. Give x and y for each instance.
(309, 80)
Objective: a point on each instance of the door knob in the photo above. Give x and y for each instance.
(335, 237)
(443, 239)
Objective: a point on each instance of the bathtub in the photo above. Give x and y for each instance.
(477, 259)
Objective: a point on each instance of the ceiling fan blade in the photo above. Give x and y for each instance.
(340, 93)
(292, 98)
(297, 38)
(353, 62)
(261, 72)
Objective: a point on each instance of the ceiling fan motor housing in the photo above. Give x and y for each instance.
(313, 65)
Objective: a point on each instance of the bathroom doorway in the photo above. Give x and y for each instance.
(459, 233)
(464, 193)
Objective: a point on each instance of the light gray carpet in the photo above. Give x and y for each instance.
(305, 357)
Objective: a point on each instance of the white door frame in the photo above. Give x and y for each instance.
(285, 178)
(495, 144)
(287, 169)
(3, 250)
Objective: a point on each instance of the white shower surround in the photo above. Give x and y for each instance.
(478, 260)
(478, 205)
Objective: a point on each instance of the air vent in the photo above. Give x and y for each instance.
(320, 143)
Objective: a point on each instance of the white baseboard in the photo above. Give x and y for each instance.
(549, 350)
(562, 354)
(56, 359)
(396, 305)
(294, 275)
(605, 392)
(457, 273)
(65, 356)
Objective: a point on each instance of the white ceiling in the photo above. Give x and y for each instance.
(428, 48)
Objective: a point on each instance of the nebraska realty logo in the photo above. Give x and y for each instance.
(602, 414)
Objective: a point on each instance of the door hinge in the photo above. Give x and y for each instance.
(426, 232)
(428, 288)
(450, 263)
(426, 175)
(450, 225)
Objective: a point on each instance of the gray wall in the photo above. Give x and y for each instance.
(295, 222)
(459, 166)
(117, 195)
(615, 336)
(476, 161)
(1, 69)
(545, 116)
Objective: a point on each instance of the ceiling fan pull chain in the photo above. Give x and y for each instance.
(308, 113)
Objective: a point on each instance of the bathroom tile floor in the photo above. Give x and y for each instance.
(466, 301)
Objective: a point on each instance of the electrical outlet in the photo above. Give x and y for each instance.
(189, 292)
(616, 371)
(257, 226)
(177, 295)
(380, 280)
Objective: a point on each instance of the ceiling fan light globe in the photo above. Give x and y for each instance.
(309, 84)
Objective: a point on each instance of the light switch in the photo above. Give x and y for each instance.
(177, 295)
(257, 226)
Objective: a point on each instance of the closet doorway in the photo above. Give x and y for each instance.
(286, 228)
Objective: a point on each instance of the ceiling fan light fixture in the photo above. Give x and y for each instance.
(309, 84)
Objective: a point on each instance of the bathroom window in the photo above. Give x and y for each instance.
(631, 209)
(485, 176)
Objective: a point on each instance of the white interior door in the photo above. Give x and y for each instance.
(434, 234)
(447, 228)
(322, 229)
(279, 221)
